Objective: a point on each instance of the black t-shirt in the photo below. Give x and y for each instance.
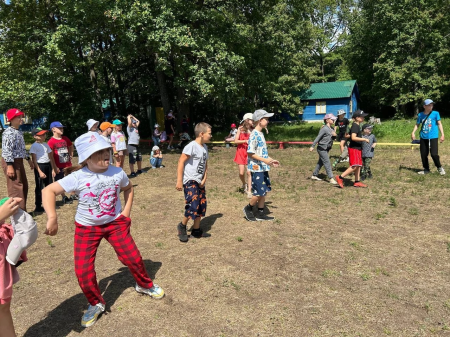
(342, 124)
(168, 123)
(355, 129)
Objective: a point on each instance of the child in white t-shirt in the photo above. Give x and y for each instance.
(191, 176)
(99, 215)
(44, 166)
(118, 143)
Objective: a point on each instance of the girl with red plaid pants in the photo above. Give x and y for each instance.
(99, 215)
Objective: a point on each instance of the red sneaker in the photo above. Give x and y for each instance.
(359, 184)
(340, 181)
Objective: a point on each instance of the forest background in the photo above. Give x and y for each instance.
(215, 60)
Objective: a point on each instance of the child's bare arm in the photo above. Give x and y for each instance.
(355, 138)
(180, 170)
(128, 195)
(49, 202)
(268, 161)
(204, 176)
(36, 166)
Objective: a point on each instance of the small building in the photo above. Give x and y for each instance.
(329, 97)
(28, 123)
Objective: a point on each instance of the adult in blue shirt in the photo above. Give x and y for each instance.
(429, 134)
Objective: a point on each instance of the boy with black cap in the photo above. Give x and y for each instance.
(13, 154)
(354, 150)
(62, 149)
(259, 164)
(44, 164)
(367, 151)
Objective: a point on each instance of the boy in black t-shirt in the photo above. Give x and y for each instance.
(341, 127)
(354, 150)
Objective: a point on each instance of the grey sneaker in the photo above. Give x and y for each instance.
(91, 315)
(423, 172)
(441, 171)
(260, 216)
(313, 177)
(156, 291)
(248, 213)
(182, 232)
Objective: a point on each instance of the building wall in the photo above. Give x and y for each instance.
(332, 106)
(25, 127)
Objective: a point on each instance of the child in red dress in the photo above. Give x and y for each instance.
(241, 141)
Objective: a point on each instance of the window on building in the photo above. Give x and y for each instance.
(321, 107)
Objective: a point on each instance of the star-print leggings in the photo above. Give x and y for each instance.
(87, 240)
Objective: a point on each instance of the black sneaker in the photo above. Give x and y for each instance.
(363, 177)
(133, 175)
(369, 176)
(260, 216)
(74, 197)
(39, 210)
(182, 233)
(139, 172)
(197, 233)
(66, 200)
(248, 213)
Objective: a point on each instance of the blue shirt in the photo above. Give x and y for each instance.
(430, 129)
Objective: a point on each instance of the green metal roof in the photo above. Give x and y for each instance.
(326, 90)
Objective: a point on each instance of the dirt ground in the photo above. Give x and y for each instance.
(351, 262)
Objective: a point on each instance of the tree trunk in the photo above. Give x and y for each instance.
(162, 84)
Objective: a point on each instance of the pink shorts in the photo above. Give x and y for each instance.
(355, 157)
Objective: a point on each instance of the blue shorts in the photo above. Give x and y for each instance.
(195, 198)
(260, 183)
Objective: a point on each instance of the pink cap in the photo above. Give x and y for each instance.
(233, 125)
(330, 116)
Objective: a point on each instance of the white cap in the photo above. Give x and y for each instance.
(428, 101)
(90, 123)
(341, 112)
(258, 114)
(170, 114)
(248, 115)
(89, 143)
(154, 148)
(156, 126)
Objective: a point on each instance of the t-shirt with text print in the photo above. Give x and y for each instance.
(60, 148)
(99, 199)
(257, 145)
(430, 128)
(195, 166)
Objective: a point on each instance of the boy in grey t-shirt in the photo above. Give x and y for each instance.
(134, 153)
(367, 151)
(191, 176)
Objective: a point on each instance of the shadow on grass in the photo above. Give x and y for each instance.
(401, 167)
(208, 222)
(66, 317)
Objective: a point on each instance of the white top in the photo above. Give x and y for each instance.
(41, 150)
(99, 200)
(118, 138)
(194, 167)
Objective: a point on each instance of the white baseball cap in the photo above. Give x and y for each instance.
(428, 101)
(156, 126)
(341, 112)
(90, 123)
(154, 148)
(89, 143)
(258, 114)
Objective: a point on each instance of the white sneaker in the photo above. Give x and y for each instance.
(441, 171)
(155, 291)
(315, 178)
(424, 172)
(333, 181)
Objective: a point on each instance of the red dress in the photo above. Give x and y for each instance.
(241, 151)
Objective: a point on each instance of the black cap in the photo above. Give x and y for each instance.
(359, 113)
(367, 126)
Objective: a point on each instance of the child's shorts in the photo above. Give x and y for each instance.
(195, 198)
(260, 183)
(134, 153)
(355, 157)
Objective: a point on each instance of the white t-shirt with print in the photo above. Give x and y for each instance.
(41, 150)
(257, 145)
(118, 138)
(194, 167)
(99, 199)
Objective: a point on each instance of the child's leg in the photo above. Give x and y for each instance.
(261, 201)
(348, 171)
(39, 185)
(87, 239)
(367, 169)
(6, 322)
(342, 145)
(196, 223)
(357, 172)
(326, 162)
(154, 162)
(127, 252)
(249, 183)
(318, 165)
(121, 161)
(159, 162)
(241, 173)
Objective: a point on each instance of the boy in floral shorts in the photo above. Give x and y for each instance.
(191, 176)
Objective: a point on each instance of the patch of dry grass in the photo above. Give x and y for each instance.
(351, 262)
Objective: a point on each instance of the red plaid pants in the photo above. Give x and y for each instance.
(87, 240)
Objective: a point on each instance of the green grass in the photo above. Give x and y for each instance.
(389, 131)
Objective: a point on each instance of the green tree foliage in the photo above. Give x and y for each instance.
(399, 51)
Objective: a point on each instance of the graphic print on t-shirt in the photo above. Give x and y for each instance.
(201, 165)
(63, 154)
(103, 198)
